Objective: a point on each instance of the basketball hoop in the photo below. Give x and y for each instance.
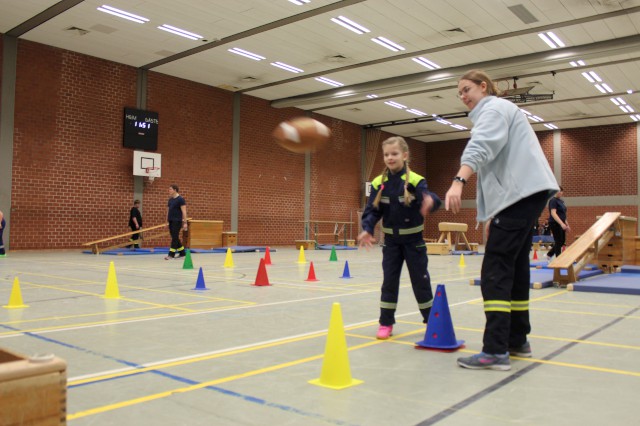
(152, 173)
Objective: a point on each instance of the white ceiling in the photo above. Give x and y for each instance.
(458, 35)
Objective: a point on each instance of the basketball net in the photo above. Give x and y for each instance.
(152, 173)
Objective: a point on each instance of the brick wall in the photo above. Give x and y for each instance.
(72, 179)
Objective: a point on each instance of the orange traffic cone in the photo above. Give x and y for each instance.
(261, 278)
(312, 274)
(267, 257)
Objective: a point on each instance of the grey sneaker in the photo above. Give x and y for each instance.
(483, 361)
(523, 351)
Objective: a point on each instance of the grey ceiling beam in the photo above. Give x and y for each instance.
(253, 31)
(498, 68)
(533, 30)
(42, 17)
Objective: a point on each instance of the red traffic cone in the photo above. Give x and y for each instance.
(267, 257)
(261, 278)
(312, 274)
(535, 255)
(440, 334)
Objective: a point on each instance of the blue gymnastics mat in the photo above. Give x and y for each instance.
(542, 239)
(330, 246)
(618, 283)
(234, 249)
(543, 278)
(466, 252)
(632, 269)
(544, 264)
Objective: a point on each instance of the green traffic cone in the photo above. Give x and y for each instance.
(334, 256)
(188, 263)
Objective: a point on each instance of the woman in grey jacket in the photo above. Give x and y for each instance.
(514, 184)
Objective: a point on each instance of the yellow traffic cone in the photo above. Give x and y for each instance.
(336, 373)
(301, 258)
(461, 264)
(228, 260)
(111, 291)
(15, 300)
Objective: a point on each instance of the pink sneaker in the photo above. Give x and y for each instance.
(384, 332)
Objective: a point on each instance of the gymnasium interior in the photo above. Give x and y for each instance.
(271, 316)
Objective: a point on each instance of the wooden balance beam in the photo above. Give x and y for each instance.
(584, 249)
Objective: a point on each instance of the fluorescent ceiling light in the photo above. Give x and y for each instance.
(246, 54)
(329, 82)
(588, 77)
(552, 40)
(350, 25)
(122, 14)
(622, 102)
(595, 76)
(180, 32)
(626, 108)
(385, 42)
(426, 63)
(629, 91)
(600, 88)
(372, 96)
(634, 117)
(395, 104)
(525, 111)
(299, 2)
(443, 121)
(459, 127)
(615, 101)
(607, 88)
(286, 67)
(579, 63)
(550, 126)
(417, 112)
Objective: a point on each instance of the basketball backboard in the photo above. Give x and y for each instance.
(143, 161)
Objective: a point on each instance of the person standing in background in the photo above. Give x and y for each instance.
(135, 223)
(177, 220)
(558, 224)
(3, 223)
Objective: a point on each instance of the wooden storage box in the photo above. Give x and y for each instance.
(229, 239)
(205, 234)
(33, 391)
(306, 244)
(438, 248)
(351, 243)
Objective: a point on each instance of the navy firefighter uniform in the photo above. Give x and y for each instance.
(402, 225)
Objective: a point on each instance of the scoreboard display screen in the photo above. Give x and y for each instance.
(140, 129)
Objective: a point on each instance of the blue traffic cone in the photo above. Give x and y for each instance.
(200, 285)
(440, 334)
(345, 273)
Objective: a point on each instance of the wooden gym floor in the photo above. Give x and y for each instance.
(237, 354)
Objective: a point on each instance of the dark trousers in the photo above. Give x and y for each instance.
(177, 249)
(559, 238)
(396, 251)
(135, 237)
(505, 276)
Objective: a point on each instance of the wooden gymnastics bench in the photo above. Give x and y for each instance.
(584, 249)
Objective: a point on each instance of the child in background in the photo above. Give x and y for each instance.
(400, 197)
